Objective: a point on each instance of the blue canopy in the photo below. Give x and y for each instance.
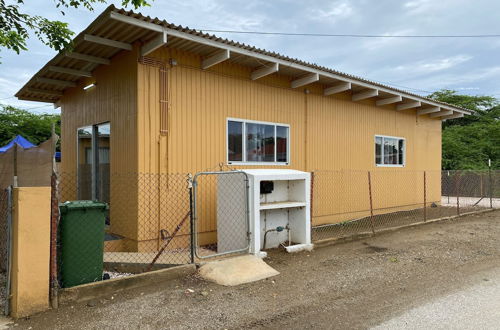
(20, 141)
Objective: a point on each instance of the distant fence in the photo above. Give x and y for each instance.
(347, 203)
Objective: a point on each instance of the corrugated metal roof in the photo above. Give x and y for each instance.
(120, 30)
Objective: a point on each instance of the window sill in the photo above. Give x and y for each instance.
(384, 165)
(257, 164)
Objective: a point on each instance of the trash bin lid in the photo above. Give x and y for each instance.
(82, 205)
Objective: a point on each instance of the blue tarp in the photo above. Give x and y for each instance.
(20, 141)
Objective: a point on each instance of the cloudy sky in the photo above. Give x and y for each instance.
(470, 66)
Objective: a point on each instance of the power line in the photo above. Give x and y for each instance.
(354, 35)
(26, 108)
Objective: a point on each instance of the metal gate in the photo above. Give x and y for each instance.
(220, 213)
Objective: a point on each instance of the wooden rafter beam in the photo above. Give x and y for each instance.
(154, 44)
(80, 73)
(441, 113)
(265, 71)
(428, 110)
(44, 91)
(88, 58)
(56, 82)
(339, 88)
(220, 57)
(305, 80)
(408, 105)
(453, 116)
(365, 95)
(389, 100)
(107, 42)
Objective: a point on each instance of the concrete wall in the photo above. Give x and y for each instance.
(31, 251)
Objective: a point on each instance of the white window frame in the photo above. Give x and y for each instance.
(244, 146)
(382, 155)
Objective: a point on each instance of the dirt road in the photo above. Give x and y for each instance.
(355, 285)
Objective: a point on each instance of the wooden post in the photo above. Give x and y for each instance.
(425, 196)
(371, 201)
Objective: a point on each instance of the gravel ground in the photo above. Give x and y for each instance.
(476, 307)
(356, 285)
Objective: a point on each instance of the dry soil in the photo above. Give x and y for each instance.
(353, 285)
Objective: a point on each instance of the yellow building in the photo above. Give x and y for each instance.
(164, 101)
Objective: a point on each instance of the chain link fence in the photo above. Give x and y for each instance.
(147, 224)
(350, 203)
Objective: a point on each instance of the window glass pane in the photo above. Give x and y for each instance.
(378, 150)
(235, 141)
(260, 142)
(401, 151)
(282, 144)
(390, 151)
(84, 159)
(103, 161)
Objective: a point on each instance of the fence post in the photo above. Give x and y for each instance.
(371, 201)
(425, 196)
(457, 190)
(54, 217)
(191, 218)
(311, 199)
(448, 186)
(491, 184)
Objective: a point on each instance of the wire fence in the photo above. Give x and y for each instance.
(154, 221)
(145, 226)
(350, 203)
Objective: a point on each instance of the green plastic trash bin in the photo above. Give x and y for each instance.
(81, 242)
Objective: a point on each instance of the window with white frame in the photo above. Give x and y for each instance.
(252, 142)
(390, 151)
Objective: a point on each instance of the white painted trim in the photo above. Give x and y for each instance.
(428, 110)
(441, 113)
(306, 80)
(56, 82)
(454, 116)
(265, 71)
(44, 91)
(365, 95)
(237, 50)
(409, 105)
(382, 156)
(107, 42)
(154, 44)
(88, 58)
(339, 88)
(220, 57)
(244, 147)
(73, 72)
(389, 100)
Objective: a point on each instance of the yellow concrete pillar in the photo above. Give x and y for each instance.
(30, 251)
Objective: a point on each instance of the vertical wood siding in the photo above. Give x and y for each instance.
(326, 134)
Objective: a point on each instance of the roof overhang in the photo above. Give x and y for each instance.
(116, 30)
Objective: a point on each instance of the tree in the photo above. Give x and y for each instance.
(469, 142)
(34, 127)
(15, 24)
(478, 103)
